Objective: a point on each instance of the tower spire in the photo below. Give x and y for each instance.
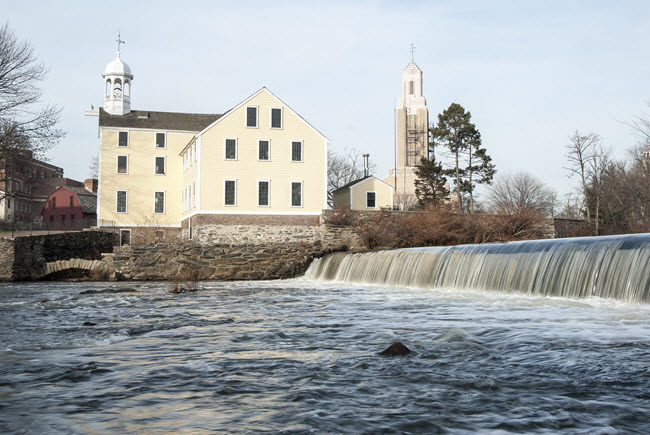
(119, 41)
(412, 50)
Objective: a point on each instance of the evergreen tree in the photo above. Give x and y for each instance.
(430, 182)
(472, 164)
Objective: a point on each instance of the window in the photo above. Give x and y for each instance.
(194, 146)
(251, 117)
(71, 201)
(263, 148)
(296, 151)
(159, 165)
(231, 149)
(53, 202)
(125, 237)
(71, 219)
(108, 87)
(63, 219)
(263, 197)
(159, 202)
(296, 194)
(121, 201)
(276, 117)
(190, 156)
(230, 192)
(51, 218)
(189, 196)
(123, 139)
(122, 164)
(8, 202)
(371, 199)
(411, 88)
(194, 194)
(160, 140)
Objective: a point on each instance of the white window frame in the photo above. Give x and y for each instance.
(126, 201)
(257, 117)
(225, 141)
(258, 150)
(125, 231)
(164, 202)
(268, 182)
(117, 164)
(302, 152)
(155, 141)
(281, 118)
(371, 191)
(189, 160)
(224, 192)
(128, 139)
(193, 194)
(164, 165)
(291, 183)
(189, 196)
(194, 146)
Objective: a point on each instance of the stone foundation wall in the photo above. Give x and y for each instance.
(234, 235)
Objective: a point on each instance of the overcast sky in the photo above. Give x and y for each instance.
(529, 72)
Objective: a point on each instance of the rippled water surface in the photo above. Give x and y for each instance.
(301, 357)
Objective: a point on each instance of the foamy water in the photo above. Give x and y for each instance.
(300, 356)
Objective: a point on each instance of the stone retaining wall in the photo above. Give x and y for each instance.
(172, 261)
(25, 258)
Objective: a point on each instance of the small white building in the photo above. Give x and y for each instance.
(364, 194)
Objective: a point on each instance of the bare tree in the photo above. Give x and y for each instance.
(26, 127)
(343, 169)
(580, 153)
(93, 168)
(511, 194)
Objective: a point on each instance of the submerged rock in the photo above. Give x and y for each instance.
(396, 349)
(109, 290)
(90, 324)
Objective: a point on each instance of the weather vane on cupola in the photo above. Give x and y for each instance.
(119, 41)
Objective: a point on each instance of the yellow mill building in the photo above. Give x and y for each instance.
(165, 174)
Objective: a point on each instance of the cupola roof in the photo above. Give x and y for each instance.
(118, 67)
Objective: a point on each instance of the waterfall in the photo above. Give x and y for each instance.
(616, 267)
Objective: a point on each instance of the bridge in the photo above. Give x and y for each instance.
(70, 264)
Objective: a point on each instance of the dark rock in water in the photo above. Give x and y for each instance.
(109, 290)
(396, 349)
(90, 324)
(45, 300)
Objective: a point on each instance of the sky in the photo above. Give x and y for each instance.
(530, 73)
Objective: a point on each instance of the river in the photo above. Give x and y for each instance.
(300, 356)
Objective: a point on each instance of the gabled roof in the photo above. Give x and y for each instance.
(225, 115)
(158, 120)
(359, 181)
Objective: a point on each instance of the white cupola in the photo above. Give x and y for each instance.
(117, 85)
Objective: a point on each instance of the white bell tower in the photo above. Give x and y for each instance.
(117, 85)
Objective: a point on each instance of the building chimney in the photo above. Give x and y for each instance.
(366, 168)
(91, 184)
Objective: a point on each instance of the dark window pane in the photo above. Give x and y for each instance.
(296, 194)
(251, 117)
(296, 151)
(231, 149)
(121, 164)
(230, 192)
(370, 200)
(160, 140)
(160, 165)
(121, 201)
(263, 193)
(71, 201)
(159, 201)
(276, 118)
(124, 139)
(263, 150)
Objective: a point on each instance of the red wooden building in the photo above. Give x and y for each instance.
(70, 208)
